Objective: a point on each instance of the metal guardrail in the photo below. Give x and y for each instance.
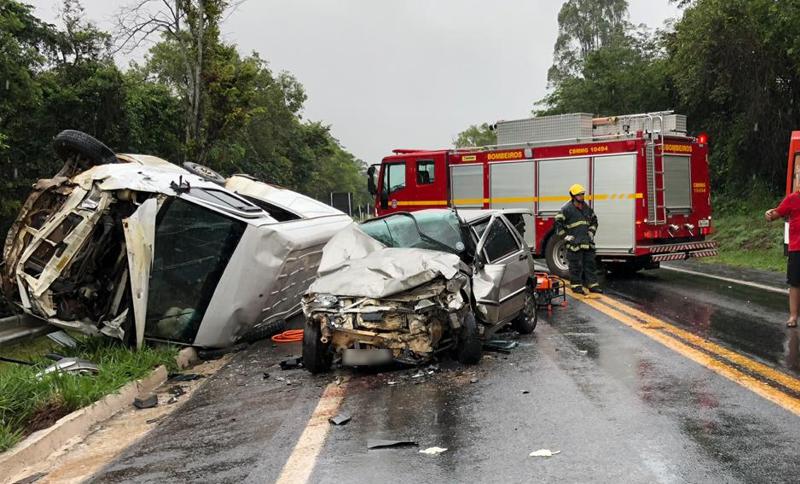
(13, 328)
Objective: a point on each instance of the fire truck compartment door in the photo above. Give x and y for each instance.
(555, 178)
(466, 185)
(614, 202)
(511, 185)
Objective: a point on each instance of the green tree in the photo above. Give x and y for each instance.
(476, 135)
(585, 26)
(736, 67)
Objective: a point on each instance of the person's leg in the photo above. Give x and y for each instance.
(793, 279)
(590, 271)
(575, 260)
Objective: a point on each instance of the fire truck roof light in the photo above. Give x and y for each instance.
(702, 138)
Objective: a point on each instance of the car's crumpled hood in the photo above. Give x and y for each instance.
(354, 264)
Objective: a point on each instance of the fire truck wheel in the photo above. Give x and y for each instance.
(469, 346)
(317, 356)
(555, 253)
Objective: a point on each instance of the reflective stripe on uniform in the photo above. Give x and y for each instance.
(560, 216)
(594, 285)
(578, 223)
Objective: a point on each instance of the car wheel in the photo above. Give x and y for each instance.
(525, 322)
(204, 172)
(470, 347)
(555, 253)
(317, 356)
(265, 331)
(70, 142)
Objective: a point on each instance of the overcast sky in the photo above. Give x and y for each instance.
(413, 73)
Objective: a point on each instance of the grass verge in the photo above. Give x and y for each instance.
(745, 238)
(28, 404)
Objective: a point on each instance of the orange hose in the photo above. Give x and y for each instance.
(290, 336)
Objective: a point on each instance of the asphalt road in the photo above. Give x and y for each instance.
(670, 378)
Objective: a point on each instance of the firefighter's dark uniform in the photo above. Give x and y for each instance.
(581, 224)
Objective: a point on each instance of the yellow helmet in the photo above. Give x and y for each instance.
(577, 189)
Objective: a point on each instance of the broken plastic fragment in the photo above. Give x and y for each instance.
(381, 444)
(432, 450)
(544, 453)
(340, 419)
(148, 401)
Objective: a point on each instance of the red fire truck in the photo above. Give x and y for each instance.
(792, 177)
(646, 179)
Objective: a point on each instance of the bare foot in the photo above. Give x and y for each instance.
(791, 323)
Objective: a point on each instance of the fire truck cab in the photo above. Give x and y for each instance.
(646, 180)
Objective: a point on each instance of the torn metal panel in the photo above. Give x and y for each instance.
(139, 231)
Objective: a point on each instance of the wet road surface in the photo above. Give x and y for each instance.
(618, 405)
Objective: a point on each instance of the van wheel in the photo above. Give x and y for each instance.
(555, 253)
(470, 347)
(525, 322)
(317, 356)
(204, 172)
(70, 142)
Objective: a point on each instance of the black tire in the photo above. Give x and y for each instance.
(317, 356)
(470, 348)
(555, 254)
(265, 331)
(204, 172)
(70, 142)
(526, 321)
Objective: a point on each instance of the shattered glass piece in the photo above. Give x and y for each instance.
(63, 339)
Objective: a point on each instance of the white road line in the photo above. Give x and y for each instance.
(301, 462)
(728, 279)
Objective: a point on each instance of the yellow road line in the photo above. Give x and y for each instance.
(301, 462)
(665, 334)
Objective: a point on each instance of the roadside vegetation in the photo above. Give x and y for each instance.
(745, 238)
(28, 403)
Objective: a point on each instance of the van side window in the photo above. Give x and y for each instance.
(425, 172)
(394, 177)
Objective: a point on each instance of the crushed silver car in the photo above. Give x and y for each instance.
(407, 286)
(135, 247)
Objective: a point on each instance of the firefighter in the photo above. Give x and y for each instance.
(577, 224)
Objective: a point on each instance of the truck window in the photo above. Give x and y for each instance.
(425, 172)
(394, 177)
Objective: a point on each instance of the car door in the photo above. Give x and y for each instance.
(504, 268)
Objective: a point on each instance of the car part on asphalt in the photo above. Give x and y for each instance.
(433, 450)
(340, 419)
(384, 444)
(147, 401)
(100, 248)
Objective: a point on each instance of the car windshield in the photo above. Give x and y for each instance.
(438, 230)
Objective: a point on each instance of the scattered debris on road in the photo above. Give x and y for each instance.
(71, 365)
(433, 450)
(340, 419)
(385, 444)
(185, 377)
(292, 363)
(544, 453)
(147, 401)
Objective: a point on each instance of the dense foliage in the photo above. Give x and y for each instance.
(732, 66)
(245, 118)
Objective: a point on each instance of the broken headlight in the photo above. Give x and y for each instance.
(325, 301)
